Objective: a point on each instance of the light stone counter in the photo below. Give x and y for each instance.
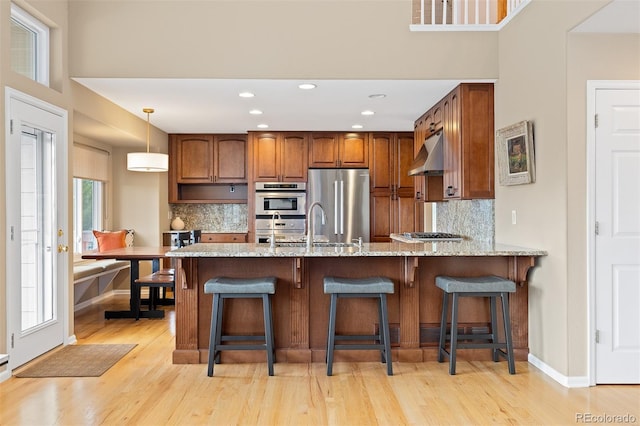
(393, 249)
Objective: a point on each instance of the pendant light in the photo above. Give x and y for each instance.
(147, 161)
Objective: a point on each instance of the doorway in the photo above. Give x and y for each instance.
(613, 139)
(36, 211)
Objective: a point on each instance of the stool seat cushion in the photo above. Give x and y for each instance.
(358, 285)
(241, 285)
(488, 284)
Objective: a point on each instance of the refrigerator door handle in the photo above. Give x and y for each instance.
(335, 210)
(341, 207)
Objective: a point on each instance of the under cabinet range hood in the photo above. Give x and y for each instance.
(430, 158)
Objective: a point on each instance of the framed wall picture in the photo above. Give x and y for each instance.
(515, 154)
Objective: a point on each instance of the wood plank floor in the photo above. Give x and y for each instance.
(145, 388)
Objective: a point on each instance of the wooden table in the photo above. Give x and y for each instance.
(134, 255)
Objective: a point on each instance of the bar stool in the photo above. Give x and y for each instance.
(485, 286)
(376, 287)
(155, 281)
(239, 288)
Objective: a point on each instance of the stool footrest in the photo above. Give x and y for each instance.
(378, 346)
(357, 337)
(240, 338)
(240, 347)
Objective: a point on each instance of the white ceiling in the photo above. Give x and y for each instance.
(213, 105)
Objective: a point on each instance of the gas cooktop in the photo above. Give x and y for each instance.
(432, 236)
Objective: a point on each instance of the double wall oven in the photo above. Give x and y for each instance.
(280, 210)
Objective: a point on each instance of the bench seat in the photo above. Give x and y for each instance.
(101, 271)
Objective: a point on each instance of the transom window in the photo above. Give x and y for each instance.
(29, 46)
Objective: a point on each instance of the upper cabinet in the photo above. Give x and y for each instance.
(207, 168)
(339, 150)
(467, 118)
(210, 158)
(469, 142)
(280, 157)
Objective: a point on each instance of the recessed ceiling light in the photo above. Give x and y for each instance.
(378, 96)
(255, 112)
(357, 126)
(246, 95)
(367, 112)
(307, 86)
(263, 126)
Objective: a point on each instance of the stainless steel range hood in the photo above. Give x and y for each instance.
(430, 158)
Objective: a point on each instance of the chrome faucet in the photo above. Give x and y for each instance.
(273, 229)
(310, 222)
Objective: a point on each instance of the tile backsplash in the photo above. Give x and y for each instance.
(471, 218)
(212, 217)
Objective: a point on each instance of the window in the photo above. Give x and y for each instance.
(29, 46)
(87, 213)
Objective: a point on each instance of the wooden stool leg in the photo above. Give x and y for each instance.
(443, 326)
(507, 332)
(268, 331)
(454, 334)
(331, 340)
(384, 320)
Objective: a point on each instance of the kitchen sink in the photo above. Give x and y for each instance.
(316, 244)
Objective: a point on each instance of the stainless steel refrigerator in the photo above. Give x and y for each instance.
(344, 196)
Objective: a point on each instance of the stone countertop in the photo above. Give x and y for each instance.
(446, 248)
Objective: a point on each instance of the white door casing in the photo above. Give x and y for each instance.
(37, 264)
(614, 236)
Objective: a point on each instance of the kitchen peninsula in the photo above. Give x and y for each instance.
(300, 307)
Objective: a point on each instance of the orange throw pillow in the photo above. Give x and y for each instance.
(110, 240)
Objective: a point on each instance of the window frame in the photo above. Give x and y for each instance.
(42, 45)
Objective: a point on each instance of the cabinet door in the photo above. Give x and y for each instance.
(223, 238)
(266, 157)
(381, 217)
(294, 156)
(323, 150)
(230, 159)
(195, 158)
(381, 161)
(404, 213)
(353, 151)
(403, 159)
(477, 141)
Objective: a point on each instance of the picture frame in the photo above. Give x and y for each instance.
(515, 154)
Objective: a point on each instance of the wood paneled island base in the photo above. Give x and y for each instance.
(300, 307)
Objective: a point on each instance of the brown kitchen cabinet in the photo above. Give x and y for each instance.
(339, 150)
(210, 158)
(207, 168)
(467, 118)
(469, 142)
(393, 196)
(280, 157)
(215, 237)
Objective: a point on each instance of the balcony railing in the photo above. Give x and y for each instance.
(463, 15)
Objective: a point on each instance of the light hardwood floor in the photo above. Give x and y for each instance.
(145, 388)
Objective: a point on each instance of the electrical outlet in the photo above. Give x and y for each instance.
(169, 215)
(513, 217)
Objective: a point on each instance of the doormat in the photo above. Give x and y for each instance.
(78, 361)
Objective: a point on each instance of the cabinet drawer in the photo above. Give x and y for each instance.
(223, 238)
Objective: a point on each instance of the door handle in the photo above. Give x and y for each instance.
(63, 248)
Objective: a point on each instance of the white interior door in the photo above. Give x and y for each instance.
(617, 240)
(37, 271)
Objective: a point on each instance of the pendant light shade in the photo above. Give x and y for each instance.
(147, 161)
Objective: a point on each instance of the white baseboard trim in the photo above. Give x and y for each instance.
(71, 340)
(566, 381)
(5, 375)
